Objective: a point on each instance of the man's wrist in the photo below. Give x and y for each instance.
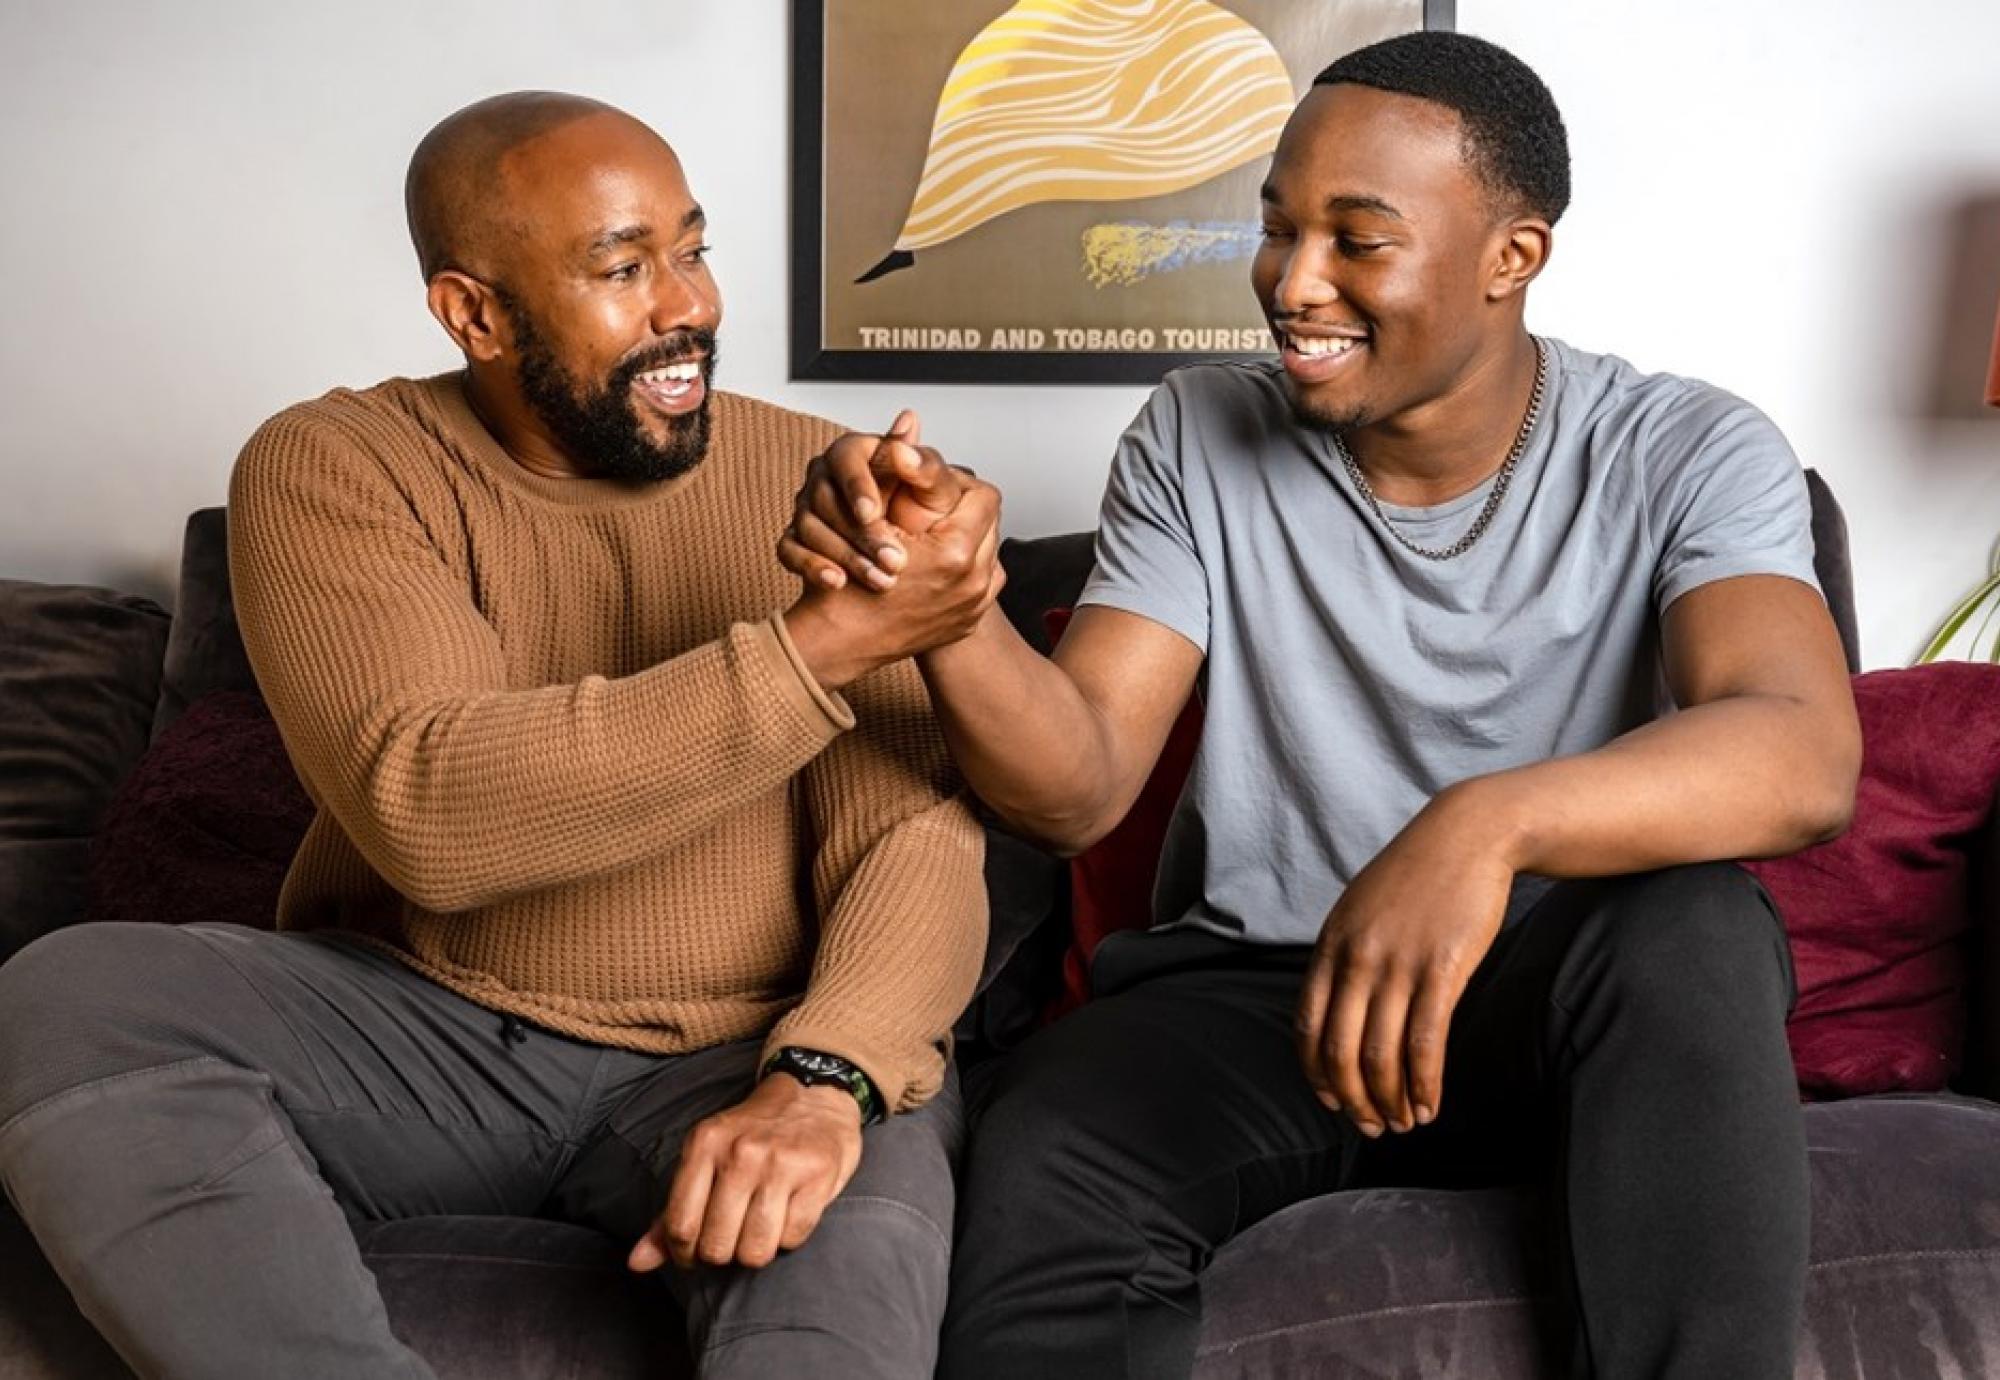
(812, 1068)
(950, 657)
(1491, 811)
(822, 645)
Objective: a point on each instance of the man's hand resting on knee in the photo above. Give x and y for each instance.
(753, 1180)
(1393, 958)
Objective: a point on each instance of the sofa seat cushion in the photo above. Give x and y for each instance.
(487, 1297)
(1905, 1262)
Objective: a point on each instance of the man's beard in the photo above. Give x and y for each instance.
(598, 427)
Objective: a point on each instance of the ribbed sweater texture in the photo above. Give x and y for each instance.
(565, 759)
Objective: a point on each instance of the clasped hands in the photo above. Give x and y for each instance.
(898, 550)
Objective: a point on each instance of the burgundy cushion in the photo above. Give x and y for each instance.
(1878, 918)
(206, 825)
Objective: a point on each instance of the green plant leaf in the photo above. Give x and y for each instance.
(1987, 593)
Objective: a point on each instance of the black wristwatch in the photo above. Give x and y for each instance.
(813, 1068)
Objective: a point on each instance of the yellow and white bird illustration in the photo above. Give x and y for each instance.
(1092, 100)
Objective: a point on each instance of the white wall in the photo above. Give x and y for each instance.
(202, 223)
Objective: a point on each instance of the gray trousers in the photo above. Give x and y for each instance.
(191, 1117)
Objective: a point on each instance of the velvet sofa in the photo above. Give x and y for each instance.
(99, 774)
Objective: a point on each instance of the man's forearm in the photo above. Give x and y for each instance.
(1746, 776)
(454, 799)
(1030, 743)
(899, 951)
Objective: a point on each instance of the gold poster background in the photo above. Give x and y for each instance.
(886, 62)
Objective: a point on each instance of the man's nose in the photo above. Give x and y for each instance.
(684, 301)
(1304, 283)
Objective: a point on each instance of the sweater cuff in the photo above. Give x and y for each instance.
(801, 686)
(904, 1080)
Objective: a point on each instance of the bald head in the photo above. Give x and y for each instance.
(457, 218)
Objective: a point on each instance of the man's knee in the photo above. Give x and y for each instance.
(90, 1001)
(885, 1236)
(864, 1295)
(1037, 1147)
(1688, 946)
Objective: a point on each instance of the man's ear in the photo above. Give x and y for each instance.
(470, 313)
(1524, 248)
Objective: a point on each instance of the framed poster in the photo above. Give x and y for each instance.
(1047, 191)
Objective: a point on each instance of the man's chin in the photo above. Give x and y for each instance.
(667, 446)
(1322, 417)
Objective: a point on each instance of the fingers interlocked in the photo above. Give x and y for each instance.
(863, 499)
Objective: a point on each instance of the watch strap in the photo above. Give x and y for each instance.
(815, 1068)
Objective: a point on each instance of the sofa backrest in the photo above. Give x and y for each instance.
(205, 651)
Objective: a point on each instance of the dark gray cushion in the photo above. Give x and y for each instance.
(1043, 573)
(205, 654)
(79, 673)
(1027, 892)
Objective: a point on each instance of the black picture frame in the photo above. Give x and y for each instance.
(811, 359)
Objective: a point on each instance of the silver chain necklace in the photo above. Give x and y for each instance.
(1500, 482)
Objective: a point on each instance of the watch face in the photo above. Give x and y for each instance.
(813, 1062)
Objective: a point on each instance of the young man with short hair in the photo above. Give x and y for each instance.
(1445, 899)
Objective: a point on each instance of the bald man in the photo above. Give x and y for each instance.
(641, 891)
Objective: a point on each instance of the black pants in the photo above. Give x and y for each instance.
(1624, 1042)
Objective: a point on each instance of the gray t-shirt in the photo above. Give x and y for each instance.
(1347, 680)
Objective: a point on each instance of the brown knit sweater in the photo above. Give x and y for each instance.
(567, 762)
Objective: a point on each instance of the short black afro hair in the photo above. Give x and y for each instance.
(1514, 136)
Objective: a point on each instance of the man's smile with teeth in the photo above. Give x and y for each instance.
(1320, 344)
(676, 388)
(686, 371)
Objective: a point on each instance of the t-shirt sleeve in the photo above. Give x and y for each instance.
(1148, 562)
(1726, 497)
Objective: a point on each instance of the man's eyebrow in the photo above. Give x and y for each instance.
(626, 234)
(1363, 203)
(612, 239)
(1269, 193)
